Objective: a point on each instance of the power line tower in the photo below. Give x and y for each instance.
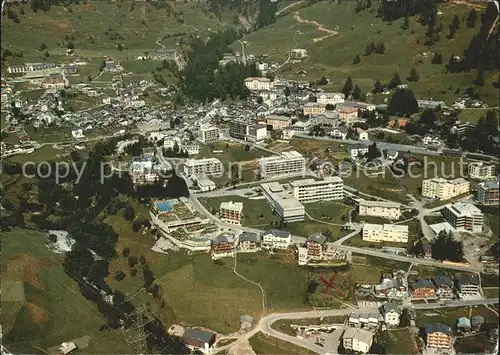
(135, 335)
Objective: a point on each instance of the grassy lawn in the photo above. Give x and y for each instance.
(284, 325)
(366, 274)
(450, 315)
(45, 153)
(266, 345)
(233, 152)
(50, 296)
(357, 241)
(257, 213)
(209, 295)
(48, 134)
(433, 219)
(270, 271)
(491, 292)
(315, 148)
(330, 211)
(472, 115)
(397, 342)
(380, 262)
(308, 227)
(489, 280)
(476, 344)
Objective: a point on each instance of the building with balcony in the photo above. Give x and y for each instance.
(468, 286)
(481, 171)
(463, 217)
(287, 163)
(206, 166)
(314, 190)
(391, 313)
(247, 130)
(249, 242)
(231, 212)
(258, 83)
(488, 193)
(358, 340)
(330, 98)
(348, 114)
(444, 189)
(313, 108)
(385, 209)
(222, 246)
(385, 233)
(444, 287)
(437, 335)
(423, 288)
(208, 134)
(276, 239)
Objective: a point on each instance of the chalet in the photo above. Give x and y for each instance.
(444, 287)
(222, 246)
(248, 242)
(199, 340)
(390, 312)
(423, 288)
(276, 239)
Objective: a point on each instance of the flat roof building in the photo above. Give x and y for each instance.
(207, 166)
(444, 189)
(286, 207)
(385, 209)
(208, 134)
(285, 164)
(385, 233)
(464, 217)
(488, 193)
(312, 190)
(481, 171)
(231, 212)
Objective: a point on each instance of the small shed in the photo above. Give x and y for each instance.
(67, 348)
(246, 322)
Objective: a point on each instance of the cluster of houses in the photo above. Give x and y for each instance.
(465, 286)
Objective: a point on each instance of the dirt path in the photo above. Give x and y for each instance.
(287, 7)
(319, 26)
(470, 4)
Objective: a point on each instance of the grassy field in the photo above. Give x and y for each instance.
(476, 344)
(209, 295)
(330, 211)
(307, 227)
(266, 345)
(256, 212)
(366, 274)
(398, 341)
(45, 153)
(333, 56)
(50, 296)
(368, 260)
(271, 271)
(450, 315)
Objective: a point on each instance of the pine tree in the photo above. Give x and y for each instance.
(455, 22)
(471, 19)
(413, 75)
(395, 81)
(377, 87)
(380, 48)
(437, 58)
(479, 81)
(356, 60)
(356, 94)
(347, 89)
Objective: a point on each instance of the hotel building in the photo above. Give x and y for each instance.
(385, 233)
(443, 189)
(207, 166)
(311, 190)
(287, 163)
(464, 216)
(231, 212)
(385, 209)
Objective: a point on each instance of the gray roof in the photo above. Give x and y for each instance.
(246, 318)
(223, 238)
(317, 237)
(466, 279)
(442, 280)
(437, 327)
(198, 335)
(477, 320)
(278, 233)
(421, 283)
(249, 236)
(388, 307)
(463, 322)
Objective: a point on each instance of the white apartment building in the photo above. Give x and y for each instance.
(286, 207)
(207, 166)
(311, 190)
(231, 212)
(258, 83)
(385, 209)
(208, 134)
(206, 184)
(191, 148)
(464, 217)
(443, 189)
(330, 98)
(481, 171)
(256, 133)
(276, 239)
(385, 233)
(357, 339)
(287, 163)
